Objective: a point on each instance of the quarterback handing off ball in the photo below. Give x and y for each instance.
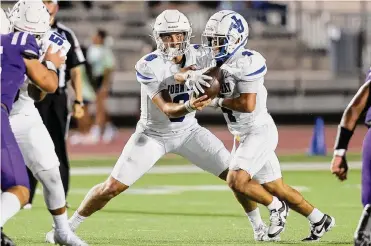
(215, 83)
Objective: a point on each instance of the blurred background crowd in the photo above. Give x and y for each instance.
(317, 55)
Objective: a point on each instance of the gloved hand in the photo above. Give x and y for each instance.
(195, 80)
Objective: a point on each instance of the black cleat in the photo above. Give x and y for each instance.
(5, 240)
(362, 236)
(317, 230)
(363, 239)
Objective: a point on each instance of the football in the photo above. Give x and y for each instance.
(215, 83)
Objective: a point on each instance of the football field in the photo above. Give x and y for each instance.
(177, 204)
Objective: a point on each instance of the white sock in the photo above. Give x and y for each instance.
(109, 126)
(61, 222)
(10, 205)
(315, 216)
(76, 220)
(275, 204)
(255, 218)
(95, 130)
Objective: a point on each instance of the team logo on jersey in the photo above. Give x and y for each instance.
(225, 88)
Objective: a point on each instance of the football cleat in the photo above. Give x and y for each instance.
(362, 236)
(5, 240)
(49, 237)
(67, 238)
(278, 221)
(27, 206)
(363, 239)
(317, 230)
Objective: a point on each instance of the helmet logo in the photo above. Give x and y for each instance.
(238, 25)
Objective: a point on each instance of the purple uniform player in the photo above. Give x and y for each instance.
(19, 58)
(15, 47)
(366, 156)
(361, 103)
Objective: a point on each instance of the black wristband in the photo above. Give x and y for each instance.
(78, 102)
(343, 137)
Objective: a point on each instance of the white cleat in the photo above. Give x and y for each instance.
(49, 238)
(278, 221)
(109, 134)
(68, 239)
(27, 206)
(260, 233)
(317, 230)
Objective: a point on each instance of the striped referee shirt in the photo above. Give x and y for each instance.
(75, 56)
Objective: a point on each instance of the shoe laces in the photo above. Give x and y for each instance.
(260, 228)
(275, 217)
(366, 237)
(312, 226)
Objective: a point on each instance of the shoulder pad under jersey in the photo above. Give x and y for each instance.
(253, 64)
(146, 67)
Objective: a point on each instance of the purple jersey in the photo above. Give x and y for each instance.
(368, 114)
(15, 46)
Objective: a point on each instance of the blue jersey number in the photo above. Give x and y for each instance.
(57, 39)
(181, 98)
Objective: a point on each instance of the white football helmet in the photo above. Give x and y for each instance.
(6, 26)
(172, 21)
(225, 32)
(30, 16)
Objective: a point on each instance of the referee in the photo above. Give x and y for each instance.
(53, 109)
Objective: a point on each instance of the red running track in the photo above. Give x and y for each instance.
(292, 140)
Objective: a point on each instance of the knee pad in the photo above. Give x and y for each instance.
(52, 187)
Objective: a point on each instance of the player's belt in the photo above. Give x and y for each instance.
(5, 107)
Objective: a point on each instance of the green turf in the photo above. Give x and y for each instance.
(174, 159)
(193, 217)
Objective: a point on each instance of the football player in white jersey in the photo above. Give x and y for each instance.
(6, 26)
(167, 123)
(243, 101)
(34, 140)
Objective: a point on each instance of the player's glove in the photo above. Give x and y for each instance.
(195, 80)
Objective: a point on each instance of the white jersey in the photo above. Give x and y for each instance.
(244, 73)
(155, 73)
(5, 26)
(25, 104)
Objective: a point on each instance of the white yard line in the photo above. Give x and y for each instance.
(300, 166)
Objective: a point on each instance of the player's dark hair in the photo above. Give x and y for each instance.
(102, 33)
